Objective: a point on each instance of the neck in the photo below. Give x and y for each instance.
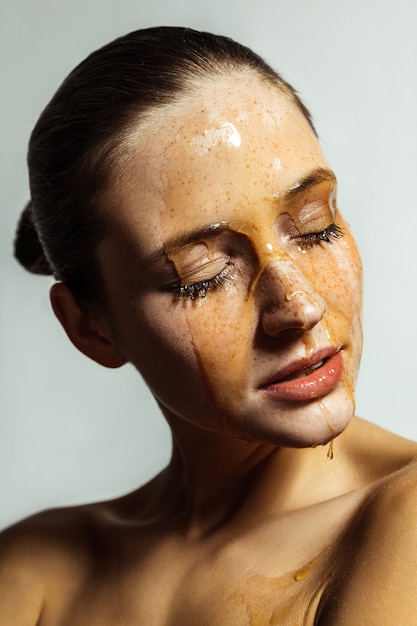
(213, 479)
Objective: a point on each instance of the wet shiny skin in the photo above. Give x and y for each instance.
(240, 528)
(277, 302)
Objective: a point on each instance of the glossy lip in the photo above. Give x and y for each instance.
(317, 383)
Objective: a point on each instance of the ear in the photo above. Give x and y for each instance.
(91, 335)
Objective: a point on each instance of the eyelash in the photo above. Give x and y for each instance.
(325, 236)
(200, 288)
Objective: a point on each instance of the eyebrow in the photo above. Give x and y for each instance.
(182, 238)
(317, 176)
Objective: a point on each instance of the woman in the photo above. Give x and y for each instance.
(189, 216)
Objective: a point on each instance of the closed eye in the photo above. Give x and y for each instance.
(327, 235)
(199, 289)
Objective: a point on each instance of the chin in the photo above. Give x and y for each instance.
(303, 425)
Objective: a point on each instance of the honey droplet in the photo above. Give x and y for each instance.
(330, 453)
(303, 573)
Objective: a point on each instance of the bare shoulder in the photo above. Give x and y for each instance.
(47, 557)
(18, 579)
(379, 452)
(375, 582)
(36, 556)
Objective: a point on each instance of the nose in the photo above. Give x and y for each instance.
(287, 299)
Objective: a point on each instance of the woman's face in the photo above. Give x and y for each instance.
(233, 283)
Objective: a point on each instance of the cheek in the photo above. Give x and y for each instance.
(344, 299)
(344, 294)
(222, 328)
(335, 272)
(156, 339)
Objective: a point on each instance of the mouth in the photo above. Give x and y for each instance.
(306, 379)
(303, 372)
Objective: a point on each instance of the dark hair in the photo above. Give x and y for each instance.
(75, 146)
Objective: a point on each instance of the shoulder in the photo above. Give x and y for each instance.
(387, 523)
(41, 556)
(19, 580)
(376, 581)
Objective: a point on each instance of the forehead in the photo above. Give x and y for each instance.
(235, 142)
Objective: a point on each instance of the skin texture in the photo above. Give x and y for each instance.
(250, 523)
(274, 289)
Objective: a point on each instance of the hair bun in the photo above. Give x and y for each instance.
(28, 249)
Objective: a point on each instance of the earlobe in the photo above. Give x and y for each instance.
(89, 334)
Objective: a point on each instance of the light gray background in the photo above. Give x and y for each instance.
(71, 431)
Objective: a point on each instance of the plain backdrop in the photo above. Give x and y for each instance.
(71, 431)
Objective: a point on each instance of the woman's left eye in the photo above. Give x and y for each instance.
(324, 236)
(200, 288)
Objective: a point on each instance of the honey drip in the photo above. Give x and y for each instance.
(303, 573)
(288, 599)
(330, 452)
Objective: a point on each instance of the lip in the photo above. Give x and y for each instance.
(326, 373)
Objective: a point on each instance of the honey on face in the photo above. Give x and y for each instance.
(232, 205)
